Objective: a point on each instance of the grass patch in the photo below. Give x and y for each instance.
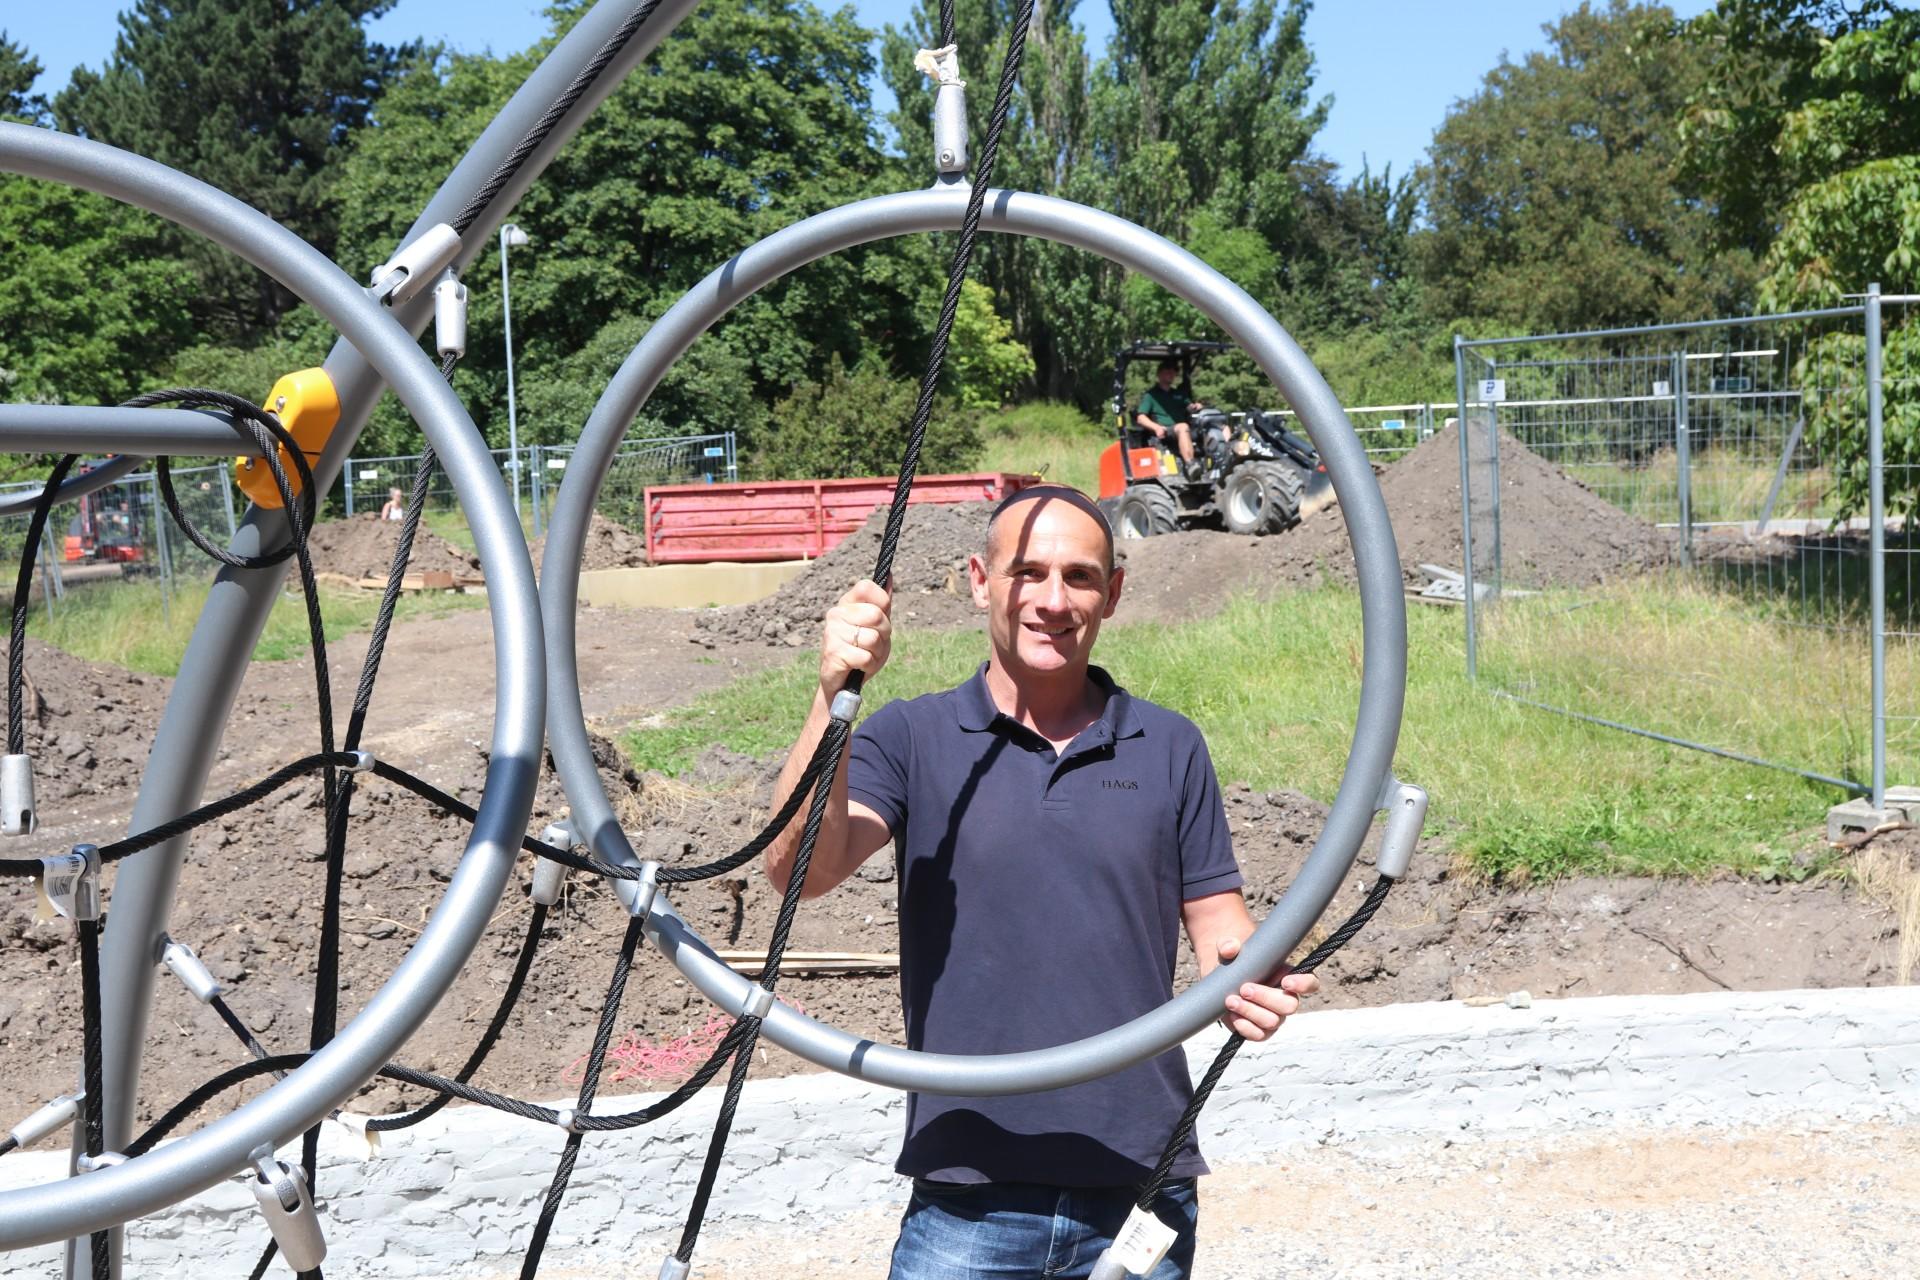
(1048, 438)
(1274, 684)
(133, 625)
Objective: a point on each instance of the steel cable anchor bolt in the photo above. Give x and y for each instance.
(549, 876)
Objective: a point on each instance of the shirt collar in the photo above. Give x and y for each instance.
(977, 712)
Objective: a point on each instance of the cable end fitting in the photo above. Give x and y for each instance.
(363, 762)
(550, 877)
(105, 1160)
(672, 1268)
(1406, 809)
(191, 970)
(845, 706)
(450, 315)
(418, 263)
(568, 1119)
(52, 1118)
(646, 890)
(280, 1189)
(18, 816)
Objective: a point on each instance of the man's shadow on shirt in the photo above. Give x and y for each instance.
(929, 902)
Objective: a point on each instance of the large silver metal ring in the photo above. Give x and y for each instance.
(1383, 682)
(176, 1170)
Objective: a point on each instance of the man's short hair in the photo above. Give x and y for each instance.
(1168, 363)
(1065, 493)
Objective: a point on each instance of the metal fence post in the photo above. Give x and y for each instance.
(1466, 502)
(1876, 547)
(536, 486)
(1683, 457)
(346, 474)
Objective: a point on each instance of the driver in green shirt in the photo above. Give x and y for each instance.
(1163, 409)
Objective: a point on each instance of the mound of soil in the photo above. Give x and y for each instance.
(1554, 531)
(362, 547)
(609, 545)
(88, 728)
(929, 579)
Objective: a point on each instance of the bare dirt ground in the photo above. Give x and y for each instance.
(1751, 1204)
(250, 891)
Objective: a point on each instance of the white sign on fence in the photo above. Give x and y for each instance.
(556, 464)
(1662, 387)
(369, 474)
(1393, 424)
(1493, 390)
(716, 451)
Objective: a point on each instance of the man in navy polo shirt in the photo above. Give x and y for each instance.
(1052, 836)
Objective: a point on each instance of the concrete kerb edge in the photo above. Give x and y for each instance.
(459, 1191)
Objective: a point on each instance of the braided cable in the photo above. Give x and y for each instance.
(1151, 1188)
(91, 1072)
(589, 1085)
(22, 587)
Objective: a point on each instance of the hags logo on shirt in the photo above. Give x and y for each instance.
(1120, 784)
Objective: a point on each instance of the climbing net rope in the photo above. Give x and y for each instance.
(73, 882)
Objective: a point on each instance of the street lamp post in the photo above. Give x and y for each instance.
(511, 236)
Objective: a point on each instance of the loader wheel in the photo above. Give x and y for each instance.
(1146, 510)
(1261, 497)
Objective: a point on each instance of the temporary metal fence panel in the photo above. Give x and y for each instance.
(1737, 454)
(1387, 430)
(642, 461)
(122, 533)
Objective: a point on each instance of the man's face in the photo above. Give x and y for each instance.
(1167, 374)
(1046, 586)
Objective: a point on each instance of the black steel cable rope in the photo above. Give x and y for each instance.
(93, 1124)
(556, 112)
(502, 1014)
(589, 1086)
(1151, 1188)
(22, 586)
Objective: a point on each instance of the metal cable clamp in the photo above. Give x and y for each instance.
(51, 1118)
(191, 970)
(1406, 809)
(550, 877)
(416, 266)
(280, 1189)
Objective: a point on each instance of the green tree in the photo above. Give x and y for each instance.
(93, 302)
(1820, 103)
(854, 424)
(985, 362)
(18, 70)
(256, 97)
(1554, 193)
(753, 114)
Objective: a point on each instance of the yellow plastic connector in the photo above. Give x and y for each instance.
(309, 408)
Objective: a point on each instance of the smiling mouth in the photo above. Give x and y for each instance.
(1050, 632)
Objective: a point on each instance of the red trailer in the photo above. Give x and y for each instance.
(789, 519)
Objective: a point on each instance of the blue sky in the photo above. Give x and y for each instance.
(1392, 66)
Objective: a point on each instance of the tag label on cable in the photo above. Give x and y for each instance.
(1143, 1240)
(61, 890)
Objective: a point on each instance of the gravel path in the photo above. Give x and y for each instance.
(1832, 1201)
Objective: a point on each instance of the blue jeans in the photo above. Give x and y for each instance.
(956, 1232)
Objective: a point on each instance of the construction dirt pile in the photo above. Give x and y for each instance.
(929, 579)
(362, 547)
(1554, 531)
(609, 545)
(88, 728)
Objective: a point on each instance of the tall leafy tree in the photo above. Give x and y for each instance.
(18, 71)
(1807, 137)
(92, 302)
(753, 114)
(1554, 193)
(256, 97)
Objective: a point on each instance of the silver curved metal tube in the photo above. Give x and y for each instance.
(179, 1169)
(73, 428)
(1383, 678)
(92, 480)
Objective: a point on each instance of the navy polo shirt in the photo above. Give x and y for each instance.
(1040, 903)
